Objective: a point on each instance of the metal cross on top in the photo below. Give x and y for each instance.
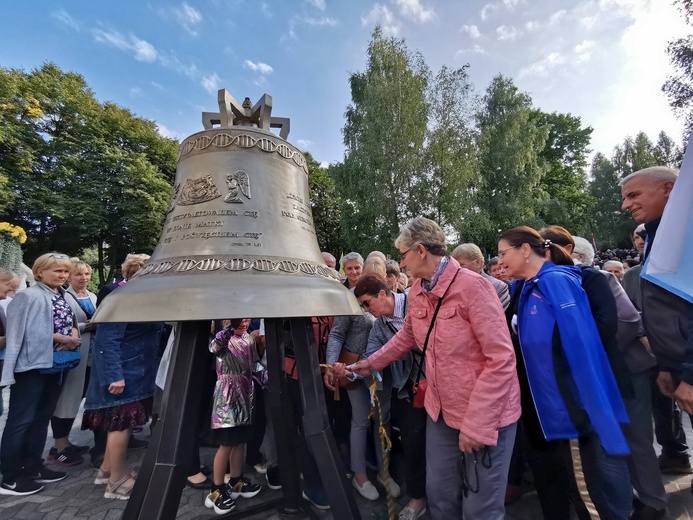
(232, 113)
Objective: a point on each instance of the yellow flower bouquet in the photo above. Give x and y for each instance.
(11, 239)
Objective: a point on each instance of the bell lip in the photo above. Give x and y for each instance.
(200, 297)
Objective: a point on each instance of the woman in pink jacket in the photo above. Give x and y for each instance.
(472, 396)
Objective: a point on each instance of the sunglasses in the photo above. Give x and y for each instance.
(366, 304)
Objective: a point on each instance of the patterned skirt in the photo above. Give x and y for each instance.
(118, 418)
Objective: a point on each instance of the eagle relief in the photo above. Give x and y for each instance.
(238, 183)
(195, 191)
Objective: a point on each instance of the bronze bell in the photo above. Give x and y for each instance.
(238, 240)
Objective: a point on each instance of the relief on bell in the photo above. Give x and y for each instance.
(196, 191)
(237, 182)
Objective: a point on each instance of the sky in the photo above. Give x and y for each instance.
(601, 60)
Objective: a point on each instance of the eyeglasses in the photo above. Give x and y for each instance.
(59, 256)
(366, 304)
(502, 252)
(402, 255)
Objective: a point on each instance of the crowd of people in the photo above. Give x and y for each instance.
(541, 359)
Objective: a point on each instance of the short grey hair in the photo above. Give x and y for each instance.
(424, 231)
(327, 255)
(584, 247)
(392, 268)
(613, 262)
(470, 252)
(352, 256)
(655, 173)
(639, 228)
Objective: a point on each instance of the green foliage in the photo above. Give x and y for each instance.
(510, 142)
(564, 158)
(326, 207)
(382, 178)
(81, 173)
(612, 227)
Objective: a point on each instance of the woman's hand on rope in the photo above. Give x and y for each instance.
(329, 379)
(362, 368)
(469, 445)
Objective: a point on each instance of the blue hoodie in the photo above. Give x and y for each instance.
(554, 301)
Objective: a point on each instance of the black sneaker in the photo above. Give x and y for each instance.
(220, 500)
(244, 488)
(68, 457)
(46, 476)
(19, 487)
(137, 444)
(272, 477)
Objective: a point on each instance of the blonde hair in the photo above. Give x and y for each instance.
(375, 265)
(78, 265)
(469, 252)
(132, 264)
(47, 261)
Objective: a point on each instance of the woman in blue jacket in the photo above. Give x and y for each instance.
(572, 386)
(121, 387)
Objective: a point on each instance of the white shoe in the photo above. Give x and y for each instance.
(367, 491)
(395, 491)
(409, 513)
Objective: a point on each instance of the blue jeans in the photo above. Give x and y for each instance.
(607, 478)
(33, 398)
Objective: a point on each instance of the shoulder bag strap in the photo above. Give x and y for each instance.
(430, 329)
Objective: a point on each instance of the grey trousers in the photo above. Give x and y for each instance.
(360, 399)
(642, 463)
(444, 482)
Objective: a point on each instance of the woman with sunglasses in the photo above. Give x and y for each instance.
(348, 341)
(39, 321)
(472, 398)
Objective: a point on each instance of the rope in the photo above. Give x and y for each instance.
(385, 442)
(385, 445)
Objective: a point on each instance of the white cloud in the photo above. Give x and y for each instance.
(157, 85)
(557, 17)
(260, 67)
(187, 69)
(381, 15)
(142, 50)
(486, 10)
(136, 92)
(64, 17)
(511, 4)
(584, 50)
(211, 83)
(506, 33)
(414, 10)
(472, 31)
(531, 26)
(318, 4)
(323, 21)
(166, 132)
(474, 49)
(188, 17)
(264, 7)
(304, 144)
(542, 67)
(588, 21)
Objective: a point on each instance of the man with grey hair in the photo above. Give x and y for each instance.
(583, 251)
(470, 257)
(330, 260)
(645, 194)
(352, 264)
(614, 267)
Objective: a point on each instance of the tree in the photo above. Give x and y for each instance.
(450, 154)
(612, 227)
(87, 174)
(667, 152)
(326, 207)
(382, 176)
(564, 159)
(510, 142)
(634, 154)
(679, 88)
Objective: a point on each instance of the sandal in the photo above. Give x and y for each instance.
(102, 477)
(118, 490)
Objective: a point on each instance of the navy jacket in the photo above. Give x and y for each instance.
(123, 351)
(554, 312)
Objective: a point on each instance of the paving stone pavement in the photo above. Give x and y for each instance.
(78, 498)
